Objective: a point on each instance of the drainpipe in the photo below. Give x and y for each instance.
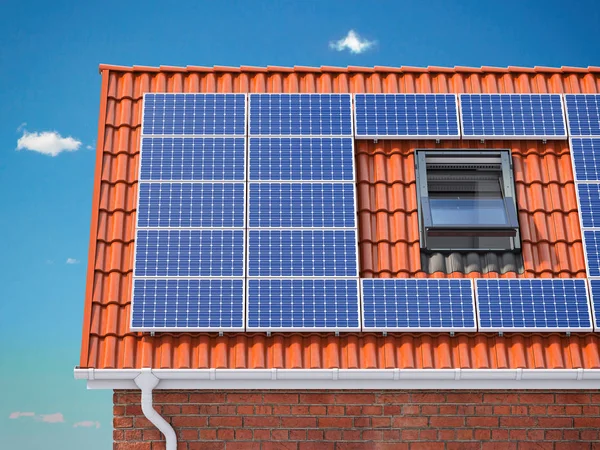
(147, 381)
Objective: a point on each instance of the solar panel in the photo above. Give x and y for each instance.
(591, 242)
(583, 114)
(191, 205)
(302, 253)
(191, 305)
(399, 304)
(308, 205)
(189, 253)
(398, 116)
(512, 116)
(194, 114)
(186, 158)
(303, 304)
(595, 301)
(589, 201)
(300, 114)
(544, 304)
(586, 158)
(294, 159)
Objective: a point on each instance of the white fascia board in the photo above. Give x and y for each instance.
(355, 379)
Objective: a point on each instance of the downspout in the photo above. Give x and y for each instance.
(147, 381)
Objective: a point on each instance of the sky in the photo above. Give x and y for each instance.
(49, 104)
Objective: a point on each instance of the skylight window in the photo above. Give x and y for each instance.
(466, 201)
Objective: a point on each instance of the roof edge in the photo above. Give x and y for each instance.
(321, 69)
(355, 379)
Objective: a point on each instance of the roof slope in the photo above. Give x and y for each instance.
(388, 227)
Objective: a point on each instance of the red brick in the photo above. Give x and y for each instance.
(298, 435)
(353, 398)
(391, 435)
(570, 435)
(553, 435)
(591, 410)
(571, 446)
(317, 410)
(427, 446)
(482, 421)
(500, 434)
(118, 435)
(517, 434)
(315, 435)
(390, 410)
(260, 421)
(123, 422)
(536, 446)
(244, 397)
(498, 446)
(205, 446)
(261, 434)
(279, 446)
(372, 435)
(518, 421)
(242, 434)
(208, 434)
(462, 410)
(536, 398)
(279, 435)
(429, 409)
(463, 397)
(409, 409)
(392, 398)
(427, 398)
(225, 421)
(263, 409)
(409, 422)
(535, 435)
(589, 435)
(227, 410)
(241, 445)
(298, 422)
(537, 410)
(372, 410)
(226, 434)
(194, 409)
(300, 410)
(446, 421)
(280, 410)
(463, 446)
(188, 434)
(410, 435)
(428, 435)
(316, 446)
(391, 446)
(353, 410)
(242, 409)
(446, 435)
(502, 410)
(335, 422)
(128, 398)
(333, 435)
(571, 410)
(207, 397)
(280, 398)
(452, 409)
(170, 410)
(555, 422)
(132, 446)
(501, 397)
(118, 410)
(464, 434)
(519, 410)
(336, 410)
(351, 435)
(362, 422)
(381, 422)
(566, 399)
(170, 397)
(587, 422)
(353, 446)
(484, 410)
(151, 435)
(132, 434)
(317, 399)
(142, 422)
(482, 434)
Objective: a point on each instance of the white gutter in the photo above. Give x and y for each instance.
(355, 379)
(147, 381)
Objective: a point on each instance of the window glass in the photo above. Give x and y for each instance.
(467, 210)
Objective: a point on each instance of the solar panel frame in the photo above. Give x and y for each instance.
(193, 328)
(578, 147)
(456, 136)
(417, 329)
(259, 328)
(577, 132)
(251, 133)
(491, 328)
(196, 94)
(507, 136)
(594, 311)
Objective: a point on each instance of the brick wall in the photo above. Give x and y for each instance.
(343, 420)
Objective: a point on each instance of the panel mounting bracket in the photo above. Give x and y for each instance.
(437, 141)
(384, 333)
(374, 141)
(482, 141)
(268, 334)
(337, 333)
(220, 334)
(452, 334)
(500, 333)
(152, 333)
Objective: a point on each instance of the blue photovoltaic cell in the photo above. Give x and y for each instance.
(406, 115)
(589, 199)
(295, 304)
(193, 159)
(295, 159)
(194, 205)
(196, 304)
(532, 304)
(300, 114)
(595, 294)
(586, 158)
(426, 304)
(512, 116)
(195, 114)
(295, 205)
(302, 253)
(583, 114)
(189, 253)
(591, 241)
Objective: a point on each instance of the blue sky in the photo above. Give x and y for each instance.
(49, 56)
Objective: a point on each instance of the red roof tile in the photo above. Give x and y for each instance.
(387, 221)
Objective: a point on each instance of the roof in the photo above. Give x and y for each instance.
(388, 241)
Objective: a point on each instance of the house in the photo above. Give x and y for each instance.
(355, 390)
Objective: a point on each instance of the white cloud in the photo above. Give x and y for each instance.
(47, 142)
(87, 424)
(72, 261)
(52, 418)
(21, 127)
(89, 147)
(17, 414)
(352, 42)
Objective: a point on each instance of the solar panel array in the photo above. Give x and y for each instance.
(583, 114)
(542, 304)
(189, 270)
(512, 116)
(418, 304)
(406, 116)
(302, 240)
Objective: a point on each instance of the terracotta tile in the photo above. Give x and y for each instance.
(387, 220)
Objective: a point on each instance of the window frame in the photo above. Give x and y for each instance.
(465, 157)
